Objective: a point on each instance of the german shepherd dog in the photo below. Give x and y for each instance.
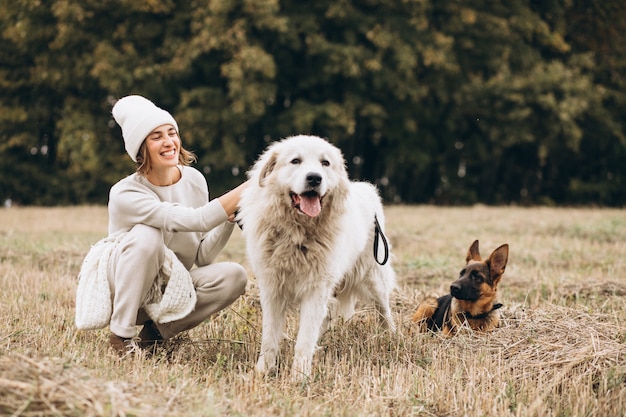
(472, 297)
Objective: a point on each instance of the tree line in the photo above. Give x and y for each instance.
(435, 101)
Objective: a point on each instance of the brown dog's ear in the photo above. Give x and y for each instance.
(497, 261)
(267, 169)
(473, 254)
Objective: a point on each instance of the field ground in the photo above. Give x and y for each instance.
(560, 350)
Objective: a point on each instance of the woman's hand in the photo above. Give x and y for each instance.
(230, 200)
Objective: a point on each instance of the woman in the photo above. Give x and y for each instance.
(163, 208)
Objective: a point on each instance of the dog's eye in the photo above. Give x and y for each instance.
(476, 276)
(462, 272)
(325, 163)
(295, 161)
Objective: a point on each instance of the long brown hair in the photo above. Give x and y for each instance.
(185, 158)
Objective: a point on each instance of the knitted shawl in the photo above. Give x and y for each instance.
(94, 303)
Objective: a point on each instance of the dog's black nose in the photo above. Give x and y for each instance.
(455, 289)
(313, 179)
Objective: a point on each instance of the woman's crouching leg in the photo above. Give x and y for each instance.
(217, 286)
(133, 267)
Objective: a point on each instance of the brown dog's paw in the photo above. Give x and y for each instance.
(425, 310)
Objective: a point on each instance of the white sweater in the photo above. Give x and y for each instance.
(195, 229)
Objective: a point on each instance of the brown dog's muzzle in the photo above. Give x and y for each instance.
(463, 289)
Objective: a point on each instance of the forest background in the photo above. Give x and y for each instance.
(435, 101)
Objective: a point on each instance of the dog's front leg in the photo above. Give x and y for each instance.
(313, 312)
(273, 323)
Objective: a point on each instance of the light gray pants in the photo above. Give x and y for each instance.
(133, 267)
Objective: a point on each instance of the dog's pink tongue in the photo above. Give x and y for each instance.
(310, 205)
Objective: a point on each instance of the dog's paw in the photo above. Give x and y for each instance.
(300, 370)
(265, 365)
(390, 325)
(262, 368)
(425, 310)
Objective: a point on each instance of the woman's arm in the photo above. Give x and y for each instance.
(214, 241)
(230, 200)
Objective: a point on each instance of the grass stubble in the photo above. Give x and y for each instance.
(560, 349)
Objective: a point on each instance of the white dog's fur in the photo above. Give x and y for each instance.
(304, 260)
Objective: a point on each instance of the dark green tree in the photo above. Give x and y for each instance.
(449, 102)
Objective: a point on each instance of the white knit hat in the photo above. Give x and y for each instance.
(138, 116)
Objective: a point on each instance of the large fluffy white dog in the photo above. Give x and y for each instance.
(310, 236)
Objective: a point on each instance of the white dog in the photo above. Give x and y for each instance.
(311, 235)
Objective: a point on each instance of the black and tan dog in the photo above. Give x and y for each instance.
(472, 297)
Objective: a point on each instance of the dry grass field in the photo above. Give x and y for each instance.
(560, 349)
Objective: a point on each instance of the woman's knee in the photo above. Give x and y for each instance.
(240, 278)
(145, 242)
(229, 278)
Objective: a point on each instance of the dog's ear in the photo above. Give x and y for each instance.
(497, 261)
(267, 168)
(473, 253)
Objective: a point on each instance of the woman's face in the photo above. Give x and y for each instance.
(163, 145)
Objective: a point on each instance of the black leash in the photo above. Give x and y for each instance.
(378, 232)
